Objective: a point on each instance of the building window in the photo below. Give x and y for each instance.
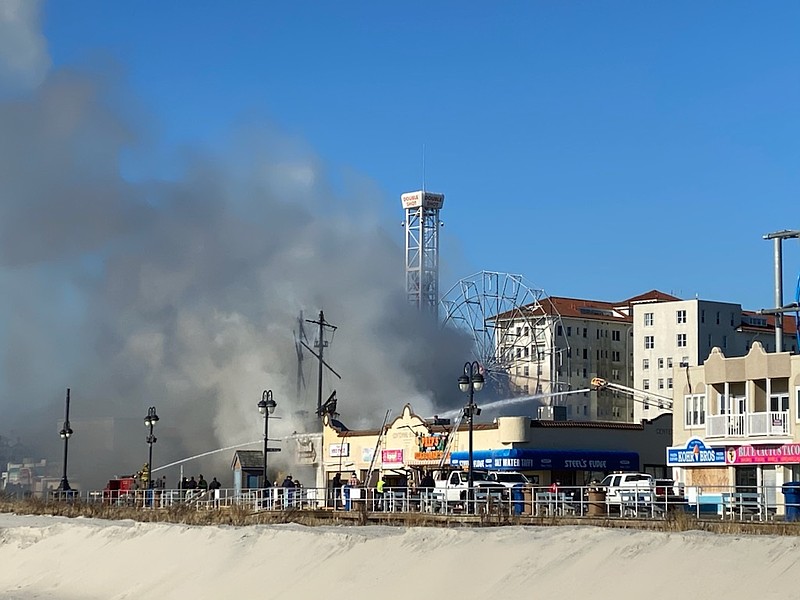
(615, 374)
(694, 410)
(645, 365)
(660, 383)
(527, 351)
(645, 384)
(669, 362)
(681, 340)
(525, 331)
(702, 316)
(519, 354)
(615, 355)
(648, 319)
(527, 371)
(681, 314)
(779, 402)
(585, 332)
(649, 342)
(797, 403)
(585, 354)
(669, 383)
(615, 337)
(569, 333)
(660, 363)
(598, 355)
(717, 317)
(519, 333)
(724, 341)
(560, 331)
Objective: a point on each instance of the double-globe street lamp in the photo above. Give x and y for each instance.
(149, 421)
(266, 406)
(65, 433)
(471, 381)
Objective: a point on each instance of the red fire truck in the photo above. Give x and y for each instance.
(120, 491)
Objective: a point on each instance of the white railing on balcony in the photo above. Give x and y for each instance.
(761, 424)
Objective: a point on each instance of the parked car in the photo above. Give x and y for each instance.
(669, 494)
(509, 478)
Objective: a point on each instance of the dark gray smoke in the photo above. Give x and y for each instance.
(184, 293)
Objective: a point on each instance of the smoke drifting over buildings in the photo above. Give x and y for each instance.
(183, 293)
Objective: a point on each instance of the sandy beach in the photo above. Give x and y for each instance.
(54, 557)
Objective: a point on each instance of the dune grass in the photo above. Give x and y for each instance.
(243, 516)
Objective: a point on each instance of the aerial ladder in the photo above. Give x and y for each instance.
(646, 398)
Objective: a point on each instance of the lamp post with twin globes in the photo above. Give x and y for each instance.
(471, 381)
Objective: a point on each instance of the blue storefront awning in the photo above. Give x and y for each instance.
(533, 459)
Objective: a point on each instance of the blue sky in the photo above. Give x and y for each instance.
(601, 149)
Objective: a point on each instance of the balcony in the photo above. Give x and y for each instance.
(772, 424)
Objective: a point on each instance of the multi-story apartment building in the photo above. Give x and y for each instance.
(580, 340)
(672, 334)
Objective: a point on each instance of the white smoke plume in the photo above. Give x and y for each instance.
(184, 293)
(23, 49)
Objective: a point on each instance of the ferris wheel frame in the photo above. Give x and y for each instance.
(511, 330)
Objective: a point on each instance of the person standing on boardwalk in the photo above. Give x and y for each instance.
(336, 483)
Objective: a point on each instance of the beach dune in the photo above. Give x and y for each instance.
(61, 558)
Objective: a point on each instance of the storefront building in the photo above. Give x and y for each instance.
(736, 424)
(573, 452)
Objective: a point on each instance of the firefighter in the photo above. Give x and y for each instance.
(144, 475)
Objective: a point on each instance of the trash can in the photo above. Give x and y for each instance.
(346, 491)
(791, 492)
(597, 502)
(517, 499)
(527, 500)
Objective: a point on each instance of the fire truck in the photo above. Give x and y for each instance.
(120, 490)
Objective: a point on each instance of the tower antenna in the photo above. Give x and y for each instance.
(423, 167)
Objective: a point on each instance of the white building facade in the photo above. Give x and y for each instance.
(671, 335)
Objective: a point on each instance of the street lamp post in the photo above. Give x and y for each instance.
(266, 406)
(149, 421)
(471, 381)
(65, 434)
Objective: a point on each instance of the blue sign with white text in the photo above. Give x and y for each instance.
(695, 453)
(536, 459)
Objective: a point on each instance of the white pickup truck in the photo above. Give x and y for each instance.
(629, 490)
(450, 492)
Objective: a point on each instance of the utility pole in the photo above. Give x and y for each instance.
(321, 344)
(778, 237)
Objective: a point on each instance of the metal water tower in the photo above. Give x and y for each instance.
(422, 248)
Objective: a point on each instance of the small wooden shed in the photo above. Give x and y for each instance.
(248, 469)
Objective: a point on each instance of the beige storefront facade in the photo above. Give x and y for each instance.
(575, 452)
(736, 424)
